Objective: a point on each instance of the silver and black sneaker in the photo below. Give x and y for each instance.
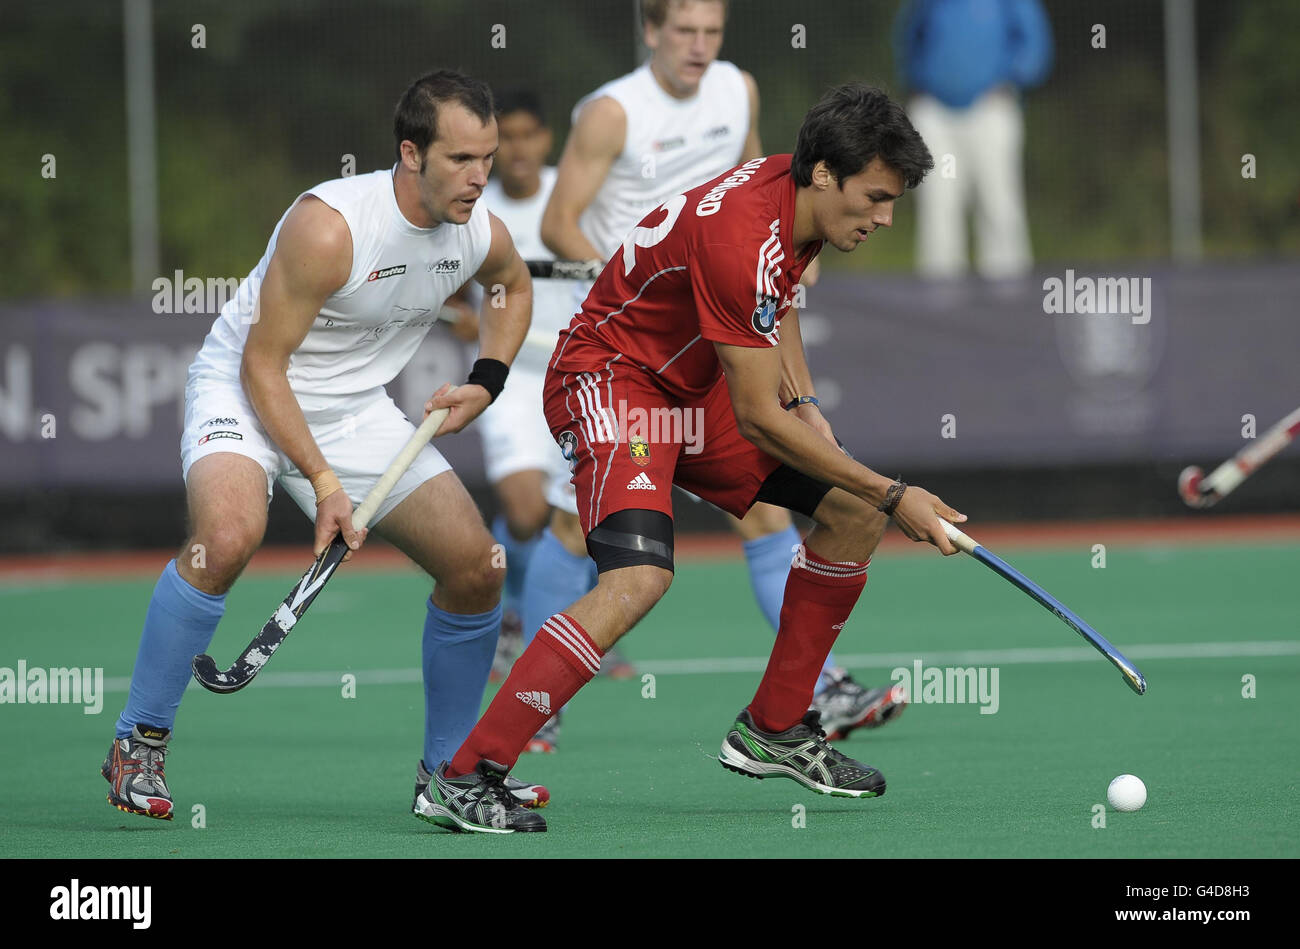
(529, 795)
(478, 802)
(846, 706)
(133, 768)
(800, 753)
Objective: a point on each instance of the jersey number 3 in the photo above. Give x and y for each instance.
(649, 236)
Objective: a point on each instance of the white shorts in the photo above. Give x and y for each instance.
(516, 438)
(359, 437)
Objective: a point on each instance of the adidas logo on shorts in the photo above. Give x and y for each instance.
(641, 483)
(538, 700)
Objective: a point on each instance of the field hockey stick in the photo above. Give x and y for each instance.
(966, 544)
(264, 645)
(1199, 491)
(565, 269)
(545, 270)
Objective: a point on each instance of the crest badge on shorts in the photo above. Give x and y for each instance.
(764, 318)
(639, 449)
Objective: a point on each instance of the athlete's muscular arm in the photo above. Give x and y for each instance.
(796, 378)
(753, 376)
(595, 141)
(312, 259)
(503, 323)
(753, 144)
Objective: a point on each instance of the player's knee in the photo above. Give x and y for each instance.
(847, 513)
(476, 580)
(633, 591)
(655, 582)
(215, 557)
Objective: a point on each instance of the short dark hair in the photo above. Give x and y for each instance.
(655, 12)
(416, 116)
(521, 100)
(851, 125)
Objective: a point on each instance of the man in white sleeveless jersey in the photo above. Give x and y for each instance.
(680, 119)
(289, 388)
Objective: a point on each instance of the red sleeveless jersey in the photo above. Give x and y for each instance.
(715, 264)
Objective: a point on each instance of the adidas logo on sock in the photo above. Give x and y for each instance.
(641, 483)
(538, 700)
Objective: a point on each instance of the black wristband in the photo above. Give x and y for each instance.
(802, 400)
(490, 374)
(892, 497)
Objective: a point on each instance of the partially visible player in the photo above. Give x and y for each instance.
(288, 388)
(686, 317)
(518, 453)
(518, 448)
(677, 121)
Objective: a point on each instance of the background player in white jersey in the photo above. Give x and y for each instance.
(289, 387)
(677, 121)
(518, 448)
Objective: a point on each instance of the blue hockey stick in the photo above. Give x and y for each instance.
(1136, 681)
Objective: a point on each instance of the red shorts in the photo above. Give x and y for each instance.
(629, 442)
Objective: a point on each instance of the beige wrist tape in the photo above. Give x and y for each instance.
(325, 483)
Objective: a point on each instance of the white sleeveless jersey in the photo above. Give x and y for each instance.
(672, 145)
(552, 299)
(369, 328)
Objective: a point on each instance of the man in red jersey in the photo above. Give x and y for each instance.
(675, 372)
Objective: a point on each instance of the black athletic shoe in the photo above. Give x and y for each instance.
(800, 753)
(478, 802)
(529, 795)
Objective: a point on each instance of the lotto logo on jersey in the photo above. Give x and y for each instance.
(639, 449)
(213, 436)
(387, 272)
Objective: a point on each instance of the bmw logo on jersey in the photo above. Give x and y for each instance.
(764, 318)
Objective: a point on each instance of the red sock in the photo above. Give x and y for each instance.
(559, 661)
(819, 595)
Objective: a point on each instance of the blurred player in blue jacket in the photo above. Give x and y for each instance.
(966, 62)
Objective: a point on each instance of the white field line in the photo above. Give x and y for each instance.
(965, 657)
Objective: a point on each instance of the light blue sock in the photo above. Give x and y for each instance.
(769, 565)
(178, 625)
(518, 555)
(556, 579)
(458, 649)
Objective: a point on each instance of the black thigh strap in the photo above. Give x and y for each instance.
(792, 490)
(632, 538)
